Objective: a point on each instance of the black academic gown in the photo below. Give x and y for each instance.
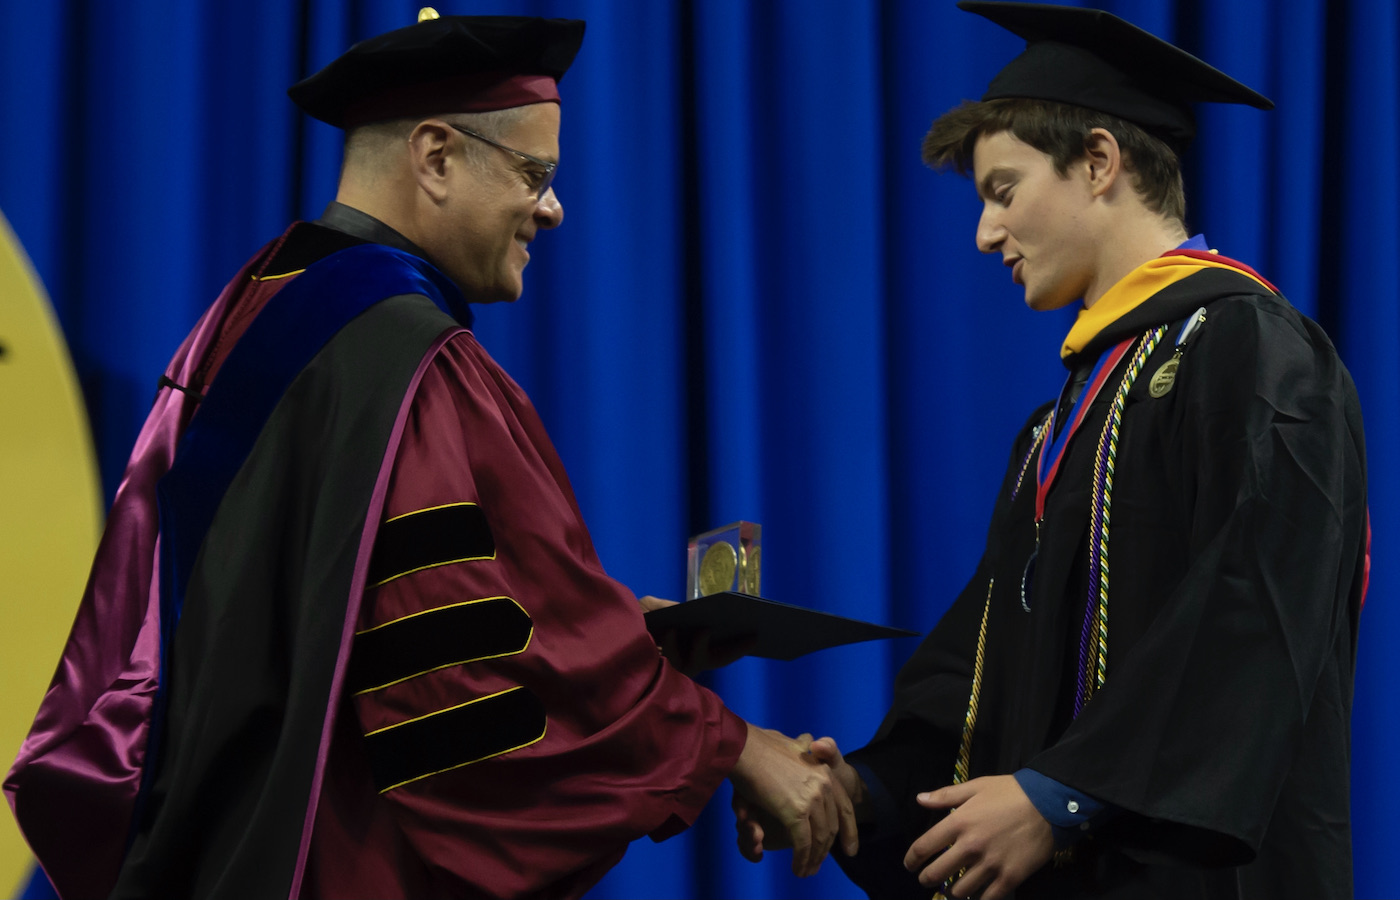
(1238, 548)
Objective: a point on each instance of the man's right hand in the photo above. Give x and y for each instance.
(776, 781)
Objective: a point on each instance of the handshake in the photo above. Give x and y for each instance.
(796, 793)
(802, 794)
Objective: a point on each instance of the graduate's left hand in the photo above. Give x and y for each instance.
(992, 830)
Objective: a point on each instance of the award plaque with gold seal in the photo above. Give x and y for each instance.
(723, 580)
(724, 559)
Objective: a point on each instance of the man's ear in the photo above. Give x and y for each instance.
(429, 156)
(1104, 160)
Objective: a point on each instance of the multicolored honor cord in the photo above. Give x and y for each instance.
(1093, 640)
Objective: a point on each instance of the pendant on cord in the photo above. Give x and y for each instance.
(1164, 379)
(1028, 574)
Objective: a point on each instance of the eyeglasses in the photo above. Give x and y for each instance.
(544, 175)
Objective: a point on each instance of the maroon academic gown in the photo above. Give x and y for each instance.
(632, 746)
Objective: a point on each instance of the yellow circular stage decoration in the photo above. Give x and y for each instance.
(50, 512)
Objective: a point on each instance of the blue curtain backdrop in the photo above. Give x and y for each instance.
(760, 306)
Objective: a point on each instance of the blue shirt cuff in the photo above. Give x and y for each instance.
(882, 805)
(1072, 815)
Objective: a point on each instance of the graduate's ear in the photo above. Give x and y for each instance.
(430, 156)
(1103, 160)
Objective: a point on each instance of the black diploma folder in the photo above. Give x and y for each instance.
(779, 630)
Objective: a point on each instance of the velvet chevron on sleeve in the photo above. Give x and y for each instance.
(619, 744)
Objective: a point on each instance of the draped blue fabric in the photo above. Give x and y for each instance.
(761, 305)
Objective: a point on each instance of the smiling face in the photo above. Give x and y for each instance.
(490, 212)
(1042, 223)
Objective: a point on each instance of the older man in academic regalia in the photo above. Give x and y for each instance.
(346, 634)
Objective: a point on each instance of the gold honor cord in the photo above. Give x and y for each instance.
(963, 763)
(1095, 665)
(963, 766)
(1095, 670)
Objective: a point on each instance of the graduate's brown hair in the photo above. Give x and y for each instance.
(1059, 130)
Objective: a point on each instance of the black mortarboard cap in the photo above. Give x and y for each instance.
(1090, 58)
(443, 65)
